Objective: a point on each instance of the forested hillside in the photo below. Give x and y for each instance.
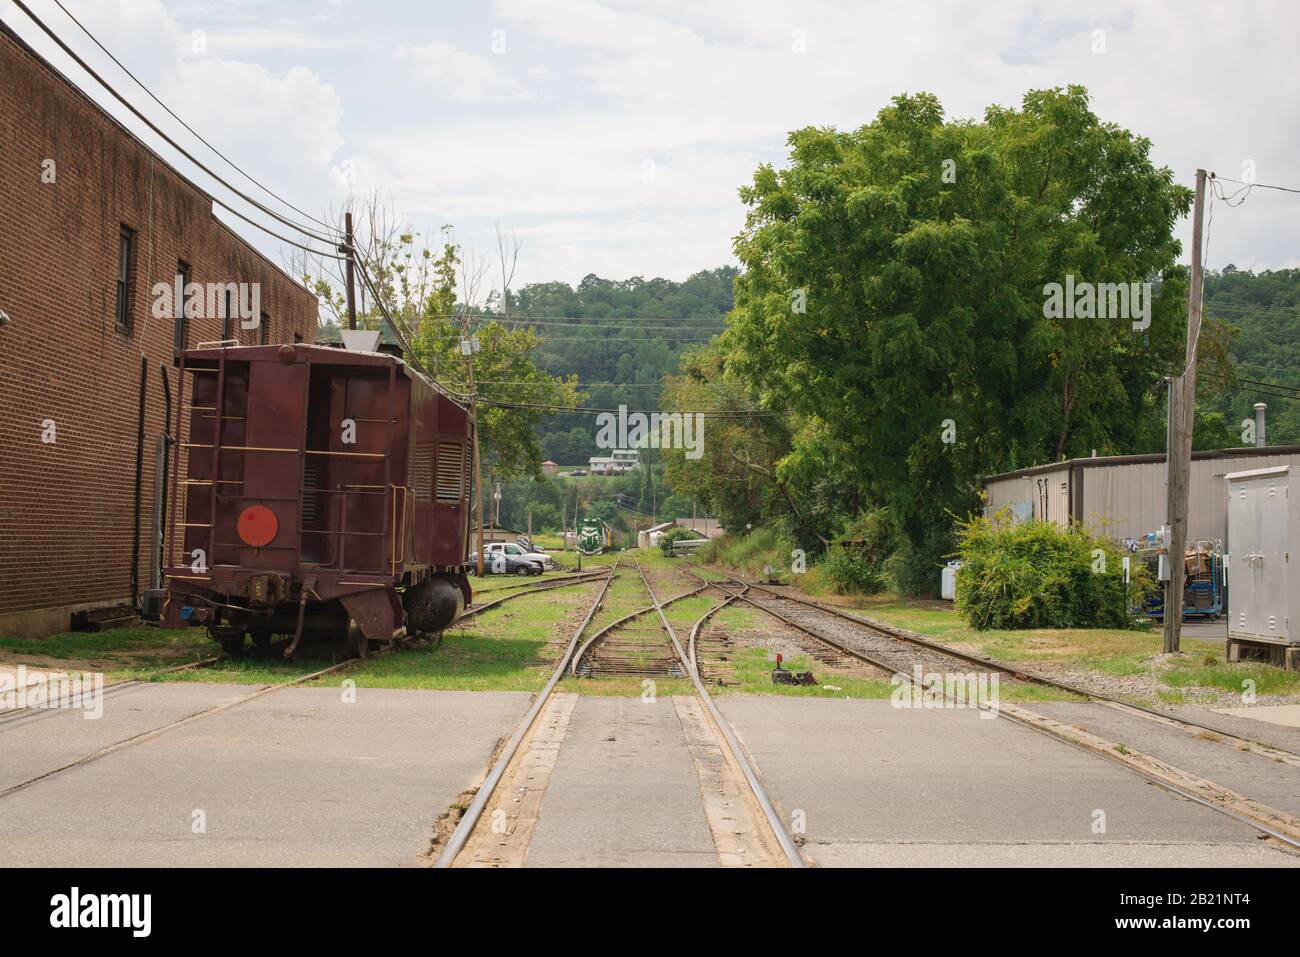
(620, 338)
(1263, 312)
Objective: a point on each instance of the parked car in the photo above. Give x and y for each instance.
(502, 563)
(578, 472)
(518, 551)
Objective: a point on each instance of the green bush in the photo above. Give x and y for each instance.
(861, 563)
(1038, 575)
(849, 571)
(673, 535)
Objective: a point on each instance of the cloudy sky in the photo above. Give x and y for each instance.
(612, 135)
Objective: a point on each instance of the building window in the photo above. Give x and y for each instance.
(266, 328)
(297, 337)
(182, 331)
(125, 255)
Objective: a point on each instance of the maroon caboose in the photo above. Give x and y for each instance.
(317, 491)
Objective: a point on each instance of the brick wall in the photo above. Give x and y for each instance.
(67, 507)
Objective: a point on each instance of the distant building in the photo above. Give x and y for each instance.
(499, 533)
(626, 459)
(649, 537)
(708, 527)
(549, 467)
(617, 463)
(1124, 496)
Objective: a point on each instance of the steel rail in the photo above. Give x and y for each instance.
(595, 571)
(1115, 759)
(13, 715)
(171, 726)
(469, 820)
(1014, 671)
(788, 847)
(695, 631)
(533, 590)
(596, 636)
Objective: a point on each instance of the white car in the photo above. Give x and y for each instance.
(518, 551)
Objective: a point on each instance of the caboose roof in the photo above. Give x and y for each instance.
(321, 355)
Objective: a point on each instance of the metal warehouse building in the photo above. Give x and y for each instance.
(1124, 495)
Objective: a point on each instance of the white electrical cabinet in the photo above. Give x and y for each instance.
(1263, 582)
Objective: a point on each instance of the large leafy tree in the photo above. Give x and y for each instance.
(893, 295)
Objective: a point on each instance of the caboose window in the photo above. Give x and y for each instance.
(125, 251)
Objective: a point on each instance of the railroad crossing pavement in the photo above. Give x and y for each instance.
(296, 777)
(624, 792)
(877, 785)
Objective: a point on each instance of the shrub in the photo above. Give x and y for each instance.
(673, 535)
(1036, 574)
(849, 571)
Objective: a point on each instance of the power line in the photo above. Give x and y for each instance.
(180, 149)
(684, 324)
(1245, 185)
(173, 115)
(708, 414)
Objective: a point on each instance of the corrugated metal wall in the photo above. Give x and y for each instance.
(1127, 500)
(1047, 494)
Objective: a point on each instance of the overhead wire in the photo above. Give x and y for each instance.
(306, 231)
(173, 115)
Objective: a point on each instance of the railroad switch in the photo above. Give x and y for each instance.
(781, 676)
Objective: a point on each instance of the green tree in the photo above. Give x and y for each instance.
(893, 295)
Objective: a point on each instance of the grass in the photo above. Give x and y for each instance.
(120, 652)
(511, 648)
(1232, 677)
(1109, 653)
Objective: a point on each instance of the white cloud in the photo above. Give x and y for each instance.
(460, 76)
(549, 136)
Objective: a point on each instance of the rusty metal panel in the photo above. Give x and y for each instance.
(272, 466)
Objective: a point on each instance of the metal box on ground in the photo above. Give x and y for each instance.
(1263, 524)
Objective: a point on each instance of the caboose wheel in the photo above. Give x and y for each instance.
(261, 639)
(232, 645)
(357, 644)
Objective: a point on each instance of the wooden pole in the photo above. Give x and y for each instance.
(1182, 416)
(478, 484)
(351, 272)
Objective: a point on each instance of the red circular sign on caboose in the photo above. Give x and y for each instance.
(257, 526)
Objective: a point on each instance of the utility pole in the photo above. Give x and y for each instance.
(351, 271)
(468, 346)
(1182, 416)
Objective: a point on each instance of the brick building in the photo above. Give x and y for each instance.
(93, 220)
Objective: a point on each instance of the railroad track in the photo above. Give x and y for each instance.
(25, 715)
(884, 634)
(532, 588)
(631, 648)
(897, 652)
(726, 738)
